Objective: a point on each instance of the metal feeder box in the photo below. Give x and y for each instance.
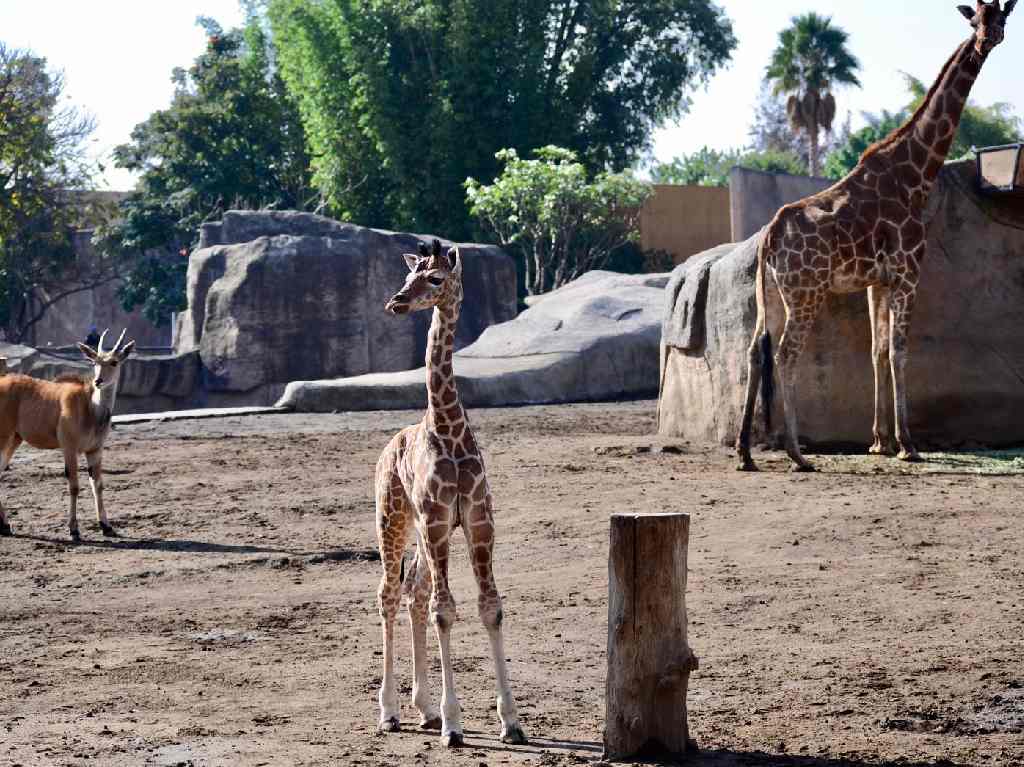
(1001, 169)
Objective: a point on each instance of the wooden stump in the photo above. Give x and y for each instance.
(649, 660)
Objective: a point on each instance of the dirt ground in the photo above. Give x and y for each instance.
(864, 615)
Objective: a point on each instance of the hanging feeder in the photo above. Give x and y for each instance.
(1001, 169)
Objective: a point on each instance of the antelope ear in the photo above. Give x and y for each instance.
(87, 351)
(967, 12)
(411, 261)
(455, 260)
(127, 350)
(1010, 5)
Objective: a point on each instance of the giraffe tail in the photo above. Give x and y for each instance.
(767, 358)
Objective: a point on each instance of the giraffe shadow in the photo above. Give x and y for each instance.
(204, 547)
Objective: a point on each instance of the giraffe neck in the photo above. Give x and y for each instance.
(934, 124)
(443, 405)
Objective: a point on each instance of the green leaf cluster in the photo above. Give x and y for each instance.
(710, 167)
(559, 220)
(402, 101)
(43, 170)
(231, 138)
(980, 126)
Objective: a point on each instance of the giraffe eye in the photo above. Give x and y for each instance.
(435, 280)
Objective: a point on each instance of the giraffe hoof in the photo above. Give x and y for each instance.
(108, 530)
(877, 449)
(76, 536)
(5, 530)
(747, 466)
(803, 468)
(453, 740)
(513, 735)
(389, 725)
(434, 723)
(910, 456)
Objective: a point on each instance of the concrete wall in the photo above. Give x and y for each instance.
(68, 321)
(755, 197)
(683, 220)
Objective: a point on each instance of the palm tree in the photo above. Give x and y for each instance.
(810, 60)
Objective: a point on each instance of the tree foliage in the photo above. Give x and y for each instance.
(810, 60)
(560, 222)
(710, 167)
(231, 138)
(403, 101)
(980, 126)
(44, 172)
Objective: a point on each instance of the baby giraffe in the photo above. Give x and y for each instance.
(430, 479)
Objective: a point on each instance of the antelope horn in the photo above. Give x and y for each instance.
(99, 346)
(117, 346)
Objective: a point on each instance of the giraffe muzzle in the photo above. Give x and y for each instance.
(397, 305)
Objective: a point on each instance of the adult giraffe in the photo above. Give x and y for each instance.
(431, 479)
(866, 232)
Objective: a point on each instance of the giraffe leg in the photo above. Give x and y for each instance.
(417, 590)
(6, 454)
(435, 530)
(478, 524)
(799, 321)
(878, 309)
(754, 363)
(901, 308)
(392, 525)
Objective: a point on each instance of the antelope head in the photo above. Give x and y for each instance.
(107, 364)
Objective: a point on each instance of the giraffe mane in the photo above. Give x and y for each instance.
(904, 129)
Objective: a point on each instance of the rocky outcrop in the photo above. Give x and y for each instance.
(280, 296)
(594, 339)
(966, 366)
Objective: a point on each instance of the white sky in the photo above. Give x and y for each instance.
(117, 56)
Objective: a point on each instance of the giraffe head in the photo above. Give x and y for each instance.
(989, 22)
(434, 278)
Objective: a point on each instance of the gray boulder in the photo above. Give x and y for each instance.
(279, 296)
(594, 339)
(966, 367)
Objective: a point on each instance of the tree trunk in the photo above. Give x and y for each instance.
(649, 660)
(813, 128)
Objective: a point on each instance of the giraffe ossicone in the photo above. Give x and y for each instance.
(430, 479)
(866, 232)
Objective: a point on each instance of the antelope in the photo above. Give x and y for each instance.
(70, 414)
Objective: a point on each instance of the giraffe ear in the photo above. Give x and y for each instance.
(967, 11)
(1010, 5)
(411, 261)
(455, 260)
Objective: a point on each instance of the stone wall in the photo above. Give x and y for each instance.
(683, 220)
(966, 358)
(68, 321)
(755, 196)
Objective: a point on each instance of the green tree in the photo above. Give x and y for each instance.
(710, 167)
(44, 176)
(811, 60)
(845, 157)
(561, 222)
(231, 138)
(980, 126)
(435, 88)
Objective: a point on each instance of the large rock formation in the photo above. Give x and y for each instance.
(966, 369)
(594, 339)
(280, 296)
